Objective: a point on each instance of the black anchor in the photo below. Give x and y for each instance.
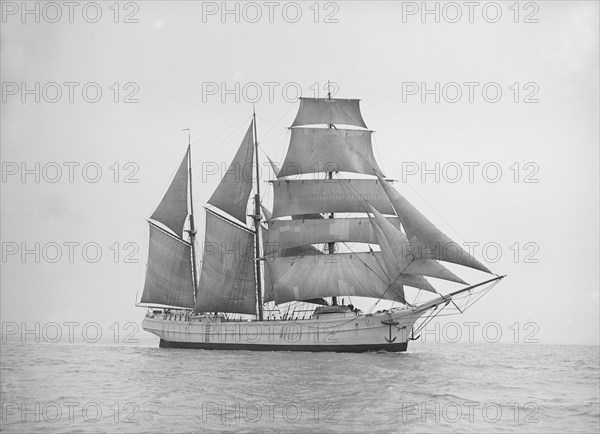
(412, 337)
(390, 323)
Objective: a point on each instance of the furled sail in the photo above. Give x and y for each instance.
(306, 217)
(300, 251)
(232, 193)
(169, 271)
(172, 209)
(227, 281)
(342, 274)
(402, 252)
(315, 111)
(427, 240)
(293, 197)
(314, 150)
(283, 234)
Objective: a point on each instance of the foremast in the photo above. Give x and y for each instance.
(331, 244)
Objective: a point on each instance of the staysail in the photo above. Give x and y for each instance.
(428, 241)
(402, 253)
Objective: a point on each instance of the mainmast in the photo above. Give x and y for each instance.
(331, 246)
(192, 230)
(256, 217)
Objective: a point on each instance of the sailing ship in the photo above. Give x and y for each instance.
(281, 282)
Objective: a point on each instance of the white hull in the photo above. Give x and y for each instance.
(339, 332)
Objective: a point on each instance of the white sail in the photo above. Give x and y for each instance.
(265, 212)
(428, 242)
(287, 249)
(169, 271)
(342, 274)
(274, 166)
(391, 268)
(315, 111)
(227, 281)
(294, 197)
(232, 193)
(314, 150)
(283, 234)
(291, 253)
(392, 272)
(172, 209)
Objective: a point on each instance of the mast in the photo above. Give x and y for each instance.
(256, 217)
(192, 230)
(331, 246)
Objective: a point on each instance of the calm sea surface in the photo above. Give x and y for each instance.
(431, 388)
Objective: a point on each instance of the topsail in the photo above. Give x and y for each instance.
(172, 209)
(314, 150)
(306, 196)
(232, 193)
(283, 234)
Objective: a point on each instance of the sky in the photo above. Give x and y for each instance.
(81, 170)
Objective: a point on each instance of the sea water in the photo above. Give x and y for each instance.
(509, 388)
